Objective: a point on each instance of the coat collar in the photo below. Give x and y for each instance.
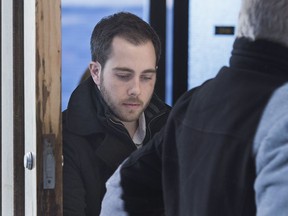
(86, 109)
(260, 55)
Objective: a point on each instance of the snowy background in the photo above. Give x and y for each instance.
(78, 21)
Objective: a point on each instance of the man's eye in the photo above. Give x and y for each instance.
(146, 77)
(123, 76)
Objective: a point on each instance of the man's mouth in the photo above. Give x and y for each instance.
(132, 104)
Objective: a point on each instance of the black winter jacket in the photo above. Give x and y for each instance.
(203, 158)
(94, 146)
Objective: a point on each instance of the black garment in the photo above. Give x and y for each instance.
(94, 145)
(204, 154)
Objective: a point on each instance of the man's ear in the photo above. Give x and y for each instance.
(95, 71)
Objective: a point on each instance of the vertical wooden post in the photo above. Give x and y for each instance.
(48, 107)
(42, 49)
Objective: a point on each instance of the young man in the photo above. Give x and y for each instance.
(112, 113)
(218, 153)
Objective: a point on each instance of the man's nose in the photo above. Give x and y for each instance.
(134, 88)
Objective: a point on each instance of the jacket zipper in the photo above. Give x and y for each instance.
(114, 125)
(149, 124)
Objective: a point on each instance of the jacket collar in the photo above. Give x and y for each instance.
(88, 113)
(260, 55)
(86, 109)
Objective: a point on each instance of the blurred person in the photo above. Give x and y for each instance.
(272, 139)
(113, 112)
(219, 154)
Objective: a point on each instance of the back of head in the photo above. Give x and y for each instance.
(125, 25)
(264, 19)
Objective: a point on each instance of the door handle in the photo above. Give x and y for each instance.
(28, 160)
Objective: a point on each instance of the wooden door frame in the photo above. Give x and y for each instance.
(1, 106)
(48, 101)
(32, 62)
(46, 65)
(7, 204)
(18, 106)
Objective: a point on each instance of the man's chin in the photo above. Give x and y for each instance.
(130, 117)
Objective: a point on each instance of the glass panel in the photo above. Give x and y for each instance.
(208, 51)
(169, 50)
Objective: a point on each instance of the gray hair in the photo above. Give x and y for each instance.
(264, 19)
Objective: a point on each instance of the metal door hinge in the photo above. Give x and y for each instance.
(49, 161)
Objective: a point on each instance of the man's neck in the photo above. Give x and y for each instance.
(131, 127)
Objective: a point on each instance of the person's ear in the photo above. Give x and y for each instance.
(95, 71)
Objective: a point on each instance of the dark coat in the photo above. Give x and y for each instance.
(94, 146)
(204, 153)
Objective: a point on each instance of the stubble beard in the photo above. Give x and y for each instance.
(116, 108)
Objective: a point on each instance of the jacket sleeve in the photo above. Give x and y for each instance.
(112, 203)
(135, 188)
(73, 188)
(271, 154)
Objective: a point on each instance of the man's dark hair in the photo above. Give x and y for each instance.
(125, 25)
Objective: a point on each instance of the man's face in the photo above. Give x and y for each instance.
(127, 81)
